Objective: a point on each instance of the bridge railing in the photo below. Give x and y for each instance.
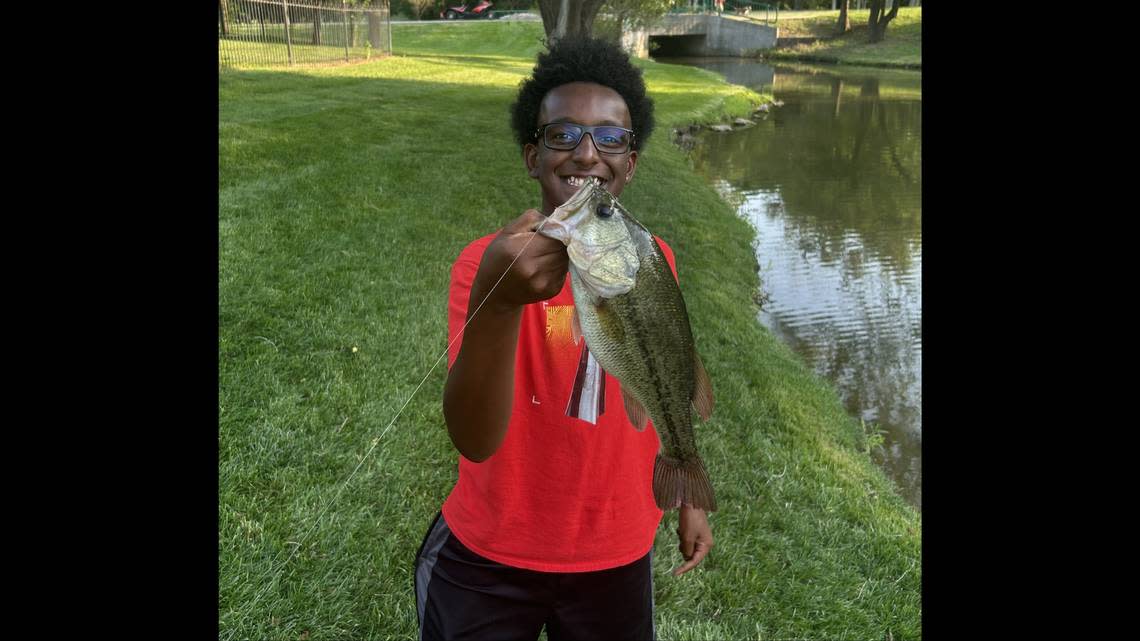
(754, 10)
(758, 11)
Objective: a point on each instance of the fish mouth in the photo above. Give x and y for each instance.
(578, 181)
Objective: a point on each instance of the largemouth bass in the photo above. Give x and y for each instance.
(629, 309)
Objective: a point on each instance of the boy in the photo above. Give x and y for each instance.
(552, 520)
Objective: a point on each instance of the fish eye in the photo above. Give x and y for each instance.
(605, 211)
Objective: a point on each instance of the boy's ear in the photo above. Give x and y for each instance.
(630, 166)
(530, 156)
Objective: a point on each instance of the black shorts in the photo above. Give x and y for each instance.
(461, 595)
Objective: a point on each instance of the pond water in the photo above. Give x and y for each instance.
(832, 182)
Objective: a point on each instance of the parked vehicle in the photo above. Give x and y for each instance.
(470, 10)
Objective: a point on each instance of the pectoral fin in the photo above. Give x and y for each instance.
(635, 410)
(575, 326)
(702, 390)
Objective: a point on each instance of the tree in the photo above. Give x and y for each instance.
(425, 8)
(428, 9)
(844, 24)
(879, 19)
(619, 16)
(562, 18)
(374, 23)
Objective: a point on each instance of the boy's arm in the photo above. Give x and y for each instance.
(695, 537)
(479, 392)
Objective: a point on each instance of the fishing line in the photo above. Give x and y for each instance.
(376, 441)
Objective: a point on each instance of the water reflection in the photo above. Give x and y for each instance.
(832, 182)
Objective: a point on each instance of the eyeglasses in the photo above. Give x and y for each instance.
(565, 136)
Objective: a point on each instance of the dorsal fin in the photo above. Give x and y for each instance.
(702, 390)
(634, 410)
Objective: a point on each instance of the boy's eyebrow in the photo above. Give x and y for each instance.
(607, 121)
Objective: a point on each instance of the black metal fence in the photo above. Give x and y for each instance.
(273, 32)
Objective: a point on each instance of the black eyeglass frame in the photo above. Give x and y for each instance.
(541, 133)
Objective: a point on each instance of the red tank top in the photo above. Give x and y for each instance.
(560, 494)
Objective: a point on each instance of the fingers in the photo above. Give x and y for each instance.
(521, 231)
(528, 221)
(700, 549)
(521, 266)
(686, 545)
(695, 538)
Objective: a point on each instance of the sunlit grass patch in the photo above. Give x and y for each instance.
(902, 45)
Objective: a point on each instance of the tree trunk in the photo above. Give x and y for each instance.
(844, 24)
(374, 25)
(620, 20)
(316, 26)
(879, 19)
(563, 18)
(223, 16)
(873, 20)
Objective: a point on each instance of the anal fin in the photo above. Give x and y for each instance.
(635, 411)
(702, 390)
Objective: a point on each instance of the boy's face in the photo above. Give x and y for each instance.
(582, 103)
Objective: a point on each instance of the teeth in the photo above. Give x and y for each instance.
(576, 181)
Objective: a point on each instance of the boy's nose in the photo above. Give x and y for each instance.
(586, 151)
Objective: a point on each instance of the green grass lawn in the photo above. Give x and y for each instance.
(902, 46)
(345, 192)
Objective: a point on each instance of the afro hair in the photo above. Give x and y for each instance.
(583, 60)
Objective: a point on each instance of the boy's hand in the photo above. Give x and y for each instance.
(538, 274)
(696, 537)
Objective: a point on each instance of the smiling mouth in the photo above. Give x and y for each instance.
(578, 181)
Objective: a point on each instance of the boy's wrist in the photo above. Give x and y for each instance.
(492, 306)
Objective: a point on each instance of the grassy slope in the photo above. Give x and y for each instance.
(342, 205)
(902, 46)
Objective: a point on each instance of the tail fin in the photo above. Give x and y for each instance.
(676, 482)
